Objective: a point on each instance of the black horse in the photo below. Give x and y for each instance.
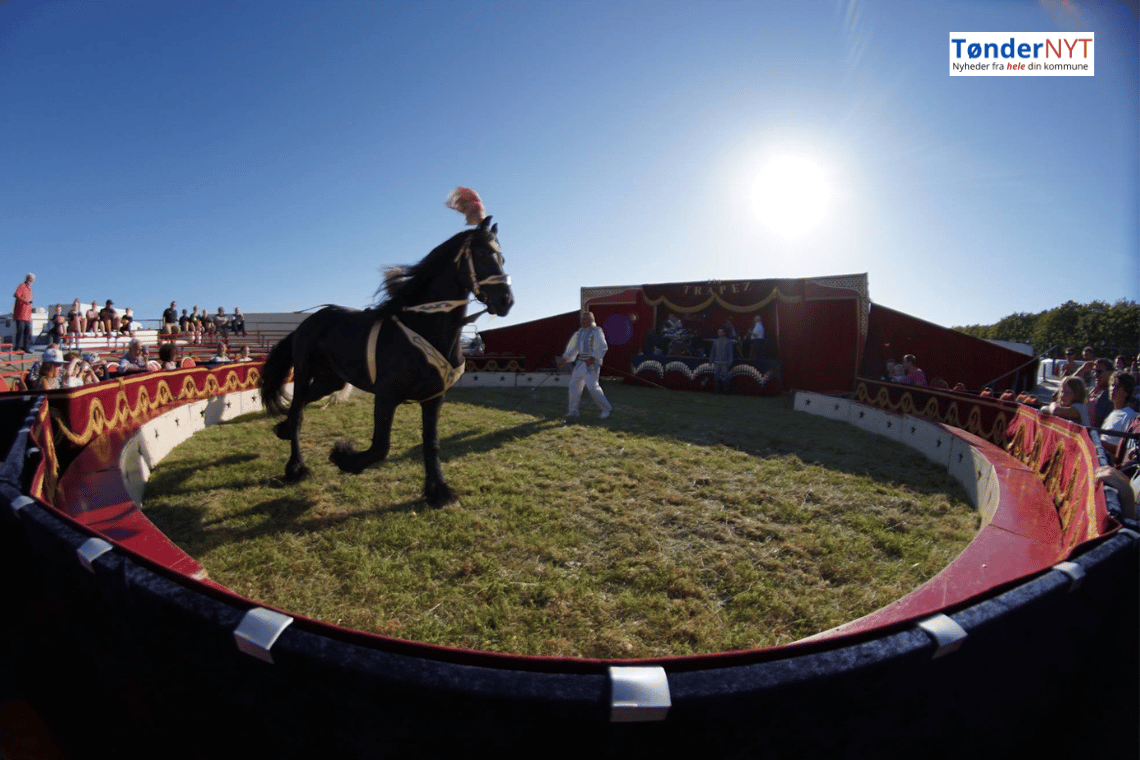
(405, 349)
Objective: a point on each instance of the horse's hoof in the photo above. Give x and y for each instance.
(440, 495)
(296, 473)
(281, 431)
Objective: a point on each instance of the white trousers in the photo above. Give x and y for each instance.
(585, 376)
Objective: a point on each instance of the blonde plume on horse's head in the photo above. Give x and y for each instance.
(467, 202)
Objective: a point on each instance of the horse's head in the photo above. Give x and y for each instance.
(489, 282)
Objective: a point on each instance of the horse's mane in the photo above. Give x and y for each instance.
(403, 284)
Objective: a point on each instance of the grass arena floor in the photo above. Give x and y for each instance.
(686, 523)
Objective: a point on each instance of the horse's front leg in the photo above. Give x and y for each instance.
(345, 456)
(436, 491)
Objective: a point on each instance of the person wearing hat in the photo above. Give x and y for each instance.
(50, 366)
(110, 318)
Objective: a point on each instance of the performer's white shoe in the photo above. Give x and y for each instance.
(606, 413)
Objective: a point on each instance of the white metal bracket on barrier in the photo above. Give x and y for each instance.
(20, 502)
(258, 631)
(945, 632)
(92, 549)
(639, 694)
(1075, 572)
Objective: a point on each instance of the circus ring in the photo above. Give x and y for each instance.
(1027, 641)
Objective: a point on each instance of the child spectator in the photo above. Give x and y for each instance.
(1120, 418)
(1070, 402)
(49, 378)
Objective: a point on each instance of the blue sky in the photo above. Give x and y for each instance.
(275, 155)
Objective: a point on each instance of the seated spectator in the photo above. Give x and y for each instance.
(184, 322)
(1127, 489)
(1070, 403)
(1120, 418)
(97, 365)
(76, 319)
(221, 322)
(110, 318)
(50, 377)
(196, 327)
(135, 358)
(76, 372)
(914, 375)
(1099, 400)
(1088, 359)
(940, 384)
(208, 327)
(168, 355)
(237, 324)
(1071, 364)
(170, 319)
(57, 326)
(127, 322)
(220, 356)
(898, 373)
(93, 323)
(244, 355)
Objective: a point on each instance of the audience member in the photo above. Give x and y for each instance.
(1071, 364)
(127, 322)
(1088, 359)
(208, 326)
(93, 323)
(170, 319)
(237, 324)
(184, 322)
(76, 372)
(110, 319)
(22, 315)
(244, 355)
(914, 375)
(168, 355)
(76, 319)
(196, 325)
(97, 365)
(1070, 403)
(1120, 418)
(57, 326)
(135, 358)
(1099, 400)
(1128, 490)
(220, 356)
(49, 378)
(222, 322)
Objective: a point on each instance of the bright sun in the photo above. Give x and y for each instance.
(791, 195)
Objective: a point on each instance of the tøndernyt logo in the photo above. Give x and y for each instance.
(1026, 54)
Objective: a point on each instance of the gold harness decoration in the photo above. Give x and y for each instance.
(447, 374)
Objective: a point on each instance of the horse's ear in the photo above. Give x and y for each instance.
(495, 230)
(486, 223)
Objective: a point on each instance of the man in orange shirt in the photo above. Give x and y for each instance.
(22, 313)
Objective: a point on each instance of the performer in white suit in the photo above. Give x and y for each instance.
(588, 347)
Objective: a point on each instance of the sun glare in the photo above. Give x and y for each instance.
(791, 195)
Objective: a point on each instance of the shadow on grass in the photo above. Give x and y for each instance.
(765, 427)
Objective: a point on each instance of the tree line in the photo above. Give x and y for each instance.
(1110, 329)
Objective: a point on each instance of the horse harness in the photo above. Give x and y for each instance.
(447, 374)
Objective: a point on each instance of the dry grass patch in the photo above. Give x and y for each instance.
(686, 523)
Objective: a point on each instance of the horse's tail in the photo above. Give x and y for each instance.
(274, 375)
